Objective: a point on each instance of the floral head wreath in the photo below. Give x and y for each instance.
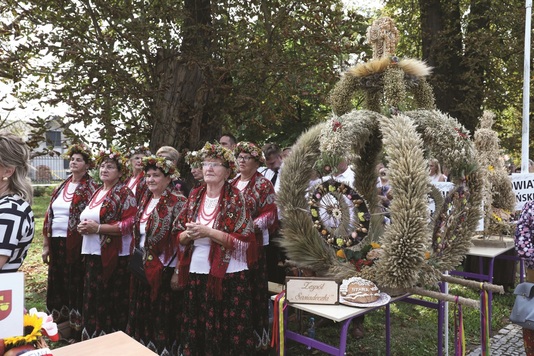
(144, 150)
(193, 159)
(82, 149)
(166, 166)
(112, 154)
(252, 149)
(214, 150)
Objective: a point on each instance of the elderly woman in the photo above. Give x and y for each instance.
(218, 246)
(524, 245)
(17, 224)
(173, 155)
(61, 240)
(259, 192)
(154, 306)
(136, 181)
(106, 226)
(194, 161)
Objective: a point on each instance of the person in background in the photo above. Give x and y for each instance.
(192, 158)
(524, 245)
(173, 155)
(17, 225)
(218, 248)
(155, 308)
(384, 188)
(136, 181)
(106, 225)
(434, 171)
(228, 141)
(259, 192)
(62, 242)
(273, 162)
(285, 152)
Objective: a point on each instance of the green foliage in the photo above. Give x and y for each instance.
(477, 55)
(270, 65)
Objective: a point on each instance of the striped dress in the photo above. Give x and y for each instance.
(17, 227)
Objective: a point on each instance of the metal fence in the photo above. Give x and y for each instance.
(49, 170)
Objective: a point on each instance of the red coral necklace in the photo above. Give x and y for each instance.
(212, 205)
(67, 196)
(97, 200)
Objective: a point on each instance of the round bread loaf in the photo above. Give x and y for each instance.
(361, 290)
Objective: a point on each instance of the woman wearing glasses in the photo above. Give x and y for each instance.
(217, 247)
(260, 195)
(106, 226)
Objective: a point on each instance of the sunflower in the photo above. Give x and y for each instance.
(32, 332)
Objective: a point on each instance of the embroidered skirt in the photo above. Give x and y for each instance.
(260, 305)
(64, 293)
(218, 327)
(105, 305)
(155, 324)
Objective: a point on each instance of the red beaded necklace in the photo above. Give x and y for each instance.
(134, 181)
(205, 217)
(95, 201)
(67, 196)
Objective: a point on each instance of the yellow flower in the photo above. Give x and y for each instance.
(491, 168)
(375, 245)
(341, 254)
(32, 325)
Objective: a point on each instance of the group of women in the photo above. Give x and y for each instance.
(205, 291)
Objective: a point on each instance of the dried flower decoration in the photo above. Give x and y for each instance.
(144, 150)
(193, 159)
(214, 150)
(252, 149)
(82, 149)
(166, 166)
(112, 154)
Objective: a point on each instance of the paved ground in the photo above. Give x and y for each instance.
(508, 342)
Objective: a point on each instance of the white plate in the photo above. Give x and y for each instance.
(382, 300)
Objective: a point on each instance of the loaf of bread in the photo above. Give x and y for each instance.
(360, 290)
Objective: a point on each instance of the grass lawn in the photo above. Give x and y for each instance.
(413, 328)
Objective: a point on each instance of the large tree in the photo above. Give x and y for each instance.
(476, 49)
(177, 72)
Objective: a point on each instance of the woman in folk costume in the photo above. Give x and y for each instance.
(106, 225)
(217, 241)
(62, 242)
(154, 307)
(259, 192)
(136, 180)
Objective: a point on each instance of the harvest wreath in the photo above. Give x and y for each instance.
(416, 249)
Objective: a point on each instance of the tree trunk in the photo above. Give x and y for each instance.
(442, 49)
(182, 108)
(185, 104)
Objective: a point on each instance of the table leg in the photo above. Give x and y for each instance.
(388, 331)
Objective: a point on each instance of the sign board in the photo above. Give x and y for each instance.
(523, 187)
(311, 290)
(11, 304)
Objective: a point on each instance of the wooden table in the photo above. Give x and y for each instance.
(115, 344)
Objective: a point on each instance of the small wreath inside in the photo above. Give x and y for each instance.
(339, 213)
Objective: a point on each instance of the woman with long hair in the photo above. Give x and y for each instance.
(61, 240)
(106, 226)
(17, 224)
(217, 247)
